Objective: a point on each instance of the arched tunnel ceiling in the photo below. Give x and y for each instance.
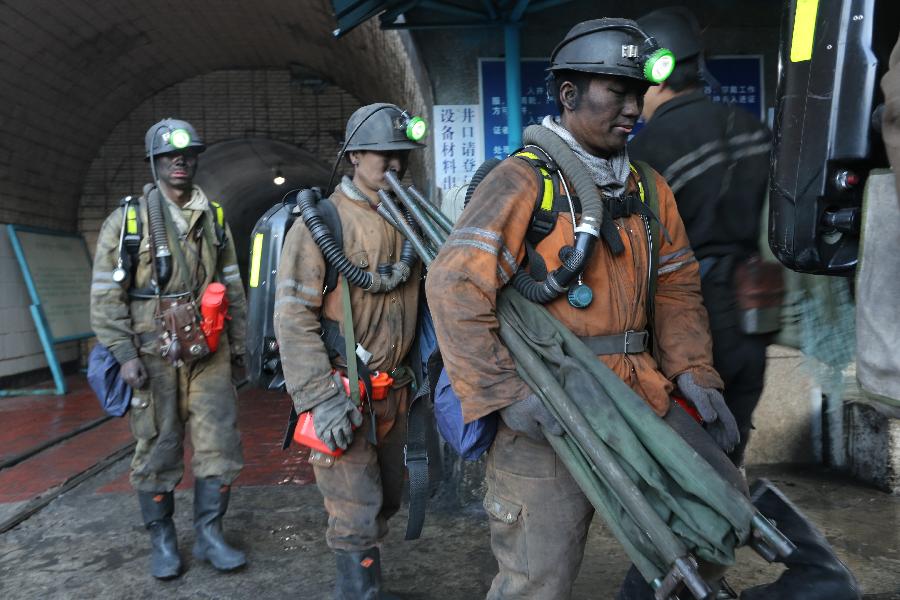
(239, 175)
(72, 70)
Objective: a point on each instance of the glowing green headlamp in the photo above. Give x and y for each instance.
(416, 129)
(659, 65)
(179, 138)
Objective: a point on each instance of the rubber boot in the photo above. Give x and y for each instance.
(634, 587)
(210, 503)
(813, 570)
(359, 576)
(157, 509)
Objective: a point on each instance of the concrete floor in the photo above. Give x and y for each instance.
(89, 542)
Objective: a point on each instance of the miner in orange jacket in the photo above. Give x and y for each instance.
(539, 516)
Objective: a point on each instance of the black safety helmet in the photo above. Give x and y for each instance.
(171, 135)
(383, 127)
(676, 28)
(612, 47)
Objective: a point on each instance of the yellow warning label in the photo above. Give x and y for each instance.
(804, 28)
(255, 259)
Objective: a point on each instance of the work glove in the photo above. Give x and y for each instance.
(133, 373)
(719, 421)
(335, 418)
(531, 418)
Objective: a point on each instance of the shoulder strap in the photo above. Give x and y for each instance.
(329, 214)
(543, 218)
(134, 228)
(219, 222)
(650, 197)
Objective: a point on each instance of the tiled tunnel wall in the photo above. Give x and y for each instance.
(80, 82)
(223, 105)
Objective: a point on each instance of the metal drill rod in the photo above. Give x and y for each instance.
(386, 215)
(422, 220)
(433, 211)
(406, 228)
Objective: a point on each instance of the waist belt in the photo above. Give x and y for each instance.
(630, 342)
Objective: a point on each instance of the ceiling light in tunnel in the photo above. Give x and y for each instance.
(279, 178)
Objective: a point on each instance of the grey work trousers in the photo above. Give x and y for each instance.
(200, 394)
(539, 517)
(363, 487)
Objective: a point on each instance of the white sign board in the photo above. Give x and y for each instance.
(458, 143)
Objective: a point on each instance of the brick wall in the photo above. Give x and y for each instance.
(223, 105)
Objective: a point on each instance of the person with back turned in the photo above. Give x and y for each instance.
(716, 158)
(360, 469)
(539, 517)
(156, 257)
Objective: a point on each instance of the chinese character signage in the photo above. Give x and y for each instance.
(741, 80)
(492, 75)
(458, 150)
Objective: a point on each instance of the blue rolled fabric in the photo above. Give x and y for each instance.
(469, 440)
(103, 376)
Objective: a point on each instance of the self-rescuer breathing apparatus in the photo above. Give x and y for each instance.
(612, 47)
(305, 432)
(214, 312)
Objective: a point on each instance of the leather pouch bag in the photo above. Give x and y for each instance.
(759, 290)
(181, 339)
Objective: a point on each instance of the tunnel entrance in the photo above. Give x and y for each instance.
(239, 175)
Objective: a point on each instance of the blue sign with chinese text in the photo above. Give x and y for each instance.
(740, 77)
(492, 72)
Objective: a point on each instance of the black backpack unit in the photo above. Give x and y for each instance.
(266, 241)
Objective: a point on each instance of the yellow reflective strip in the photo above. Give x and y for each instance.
(530, 155)
(804, 28)
(131, 221)
(640, 183)
(547, 199)
(256, 259)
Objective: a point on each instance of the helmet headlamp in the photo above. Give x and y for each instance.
(659, 65)
(179, 138)
(416, 128)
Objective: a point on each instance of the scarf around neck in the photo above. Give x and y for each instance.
(351, 191)
(610, 175)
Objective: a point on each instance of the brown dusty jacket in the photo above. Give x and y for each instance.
(117, 319)
(890, 128)
(385, 324)
(482, 254)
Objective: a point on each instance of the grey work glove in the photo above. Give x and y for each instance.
(531, 418)
(133, 373)
(335, 418)
(719, 421)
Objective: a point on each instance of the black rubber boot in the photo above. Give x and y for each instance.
(157, 509)
(634, 587)
(813, 570)
(210, 503)
(359, 576)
